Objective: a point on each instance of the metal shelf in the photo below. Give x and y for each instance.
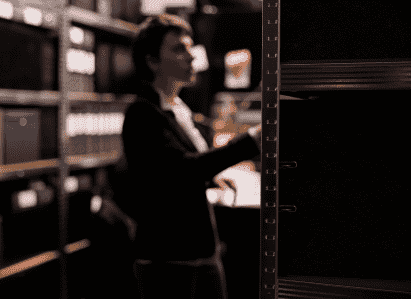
(346, 76)
(92, 160)
(49, 18)
(99, 97)
(53, 98)
(20, 170)
(42, 258)
(249, 96)
(294, 77)
(96, 20)
(29, 97)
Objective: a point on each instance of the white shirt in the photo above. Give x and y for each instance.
(184, 118)
(183, 115)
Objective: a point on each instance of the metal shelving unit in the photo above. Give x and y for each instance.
(59, 19)
(296, 78)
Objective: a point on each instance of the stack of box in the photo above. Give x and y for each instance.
(77, 129)
(81, 60)
(94, 129)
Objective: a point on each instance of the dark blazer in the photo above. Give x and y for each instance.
(165, 186)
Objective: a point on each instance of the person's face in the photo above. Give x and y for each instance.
(175, 59)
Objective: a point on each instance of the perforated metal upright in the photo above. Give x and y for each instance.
(270, 149)
(64, 44)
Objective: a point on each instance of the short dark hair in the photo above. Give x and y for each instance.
(150, 38)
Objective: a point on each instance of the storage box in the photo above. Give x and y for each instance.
(20, 135)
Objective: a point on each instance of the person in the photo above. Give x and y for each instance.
(169, 164)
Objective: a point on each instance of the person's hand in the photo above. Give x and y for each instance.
(255, 132)
(258, 128)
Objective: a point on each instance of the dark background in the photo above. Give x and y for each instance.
(351, 186)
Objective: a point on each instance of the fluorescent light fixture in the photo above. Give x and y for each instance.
(33, 16)
(6, 10)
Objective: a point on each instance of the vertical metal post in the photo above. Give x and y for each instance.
(1, 241)
(64, 44)
(270, 149)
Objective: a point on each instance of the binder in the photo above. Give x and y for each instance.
(102, 75)
(132, 12)
(93, 128)
(112, 117)
(48, 67)
(118, 8)
(81, 82)
(105, 138)
(122, 62)
(20, 135)
(80, 79)
(114, 68)
(77, 130)
(117, 111)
